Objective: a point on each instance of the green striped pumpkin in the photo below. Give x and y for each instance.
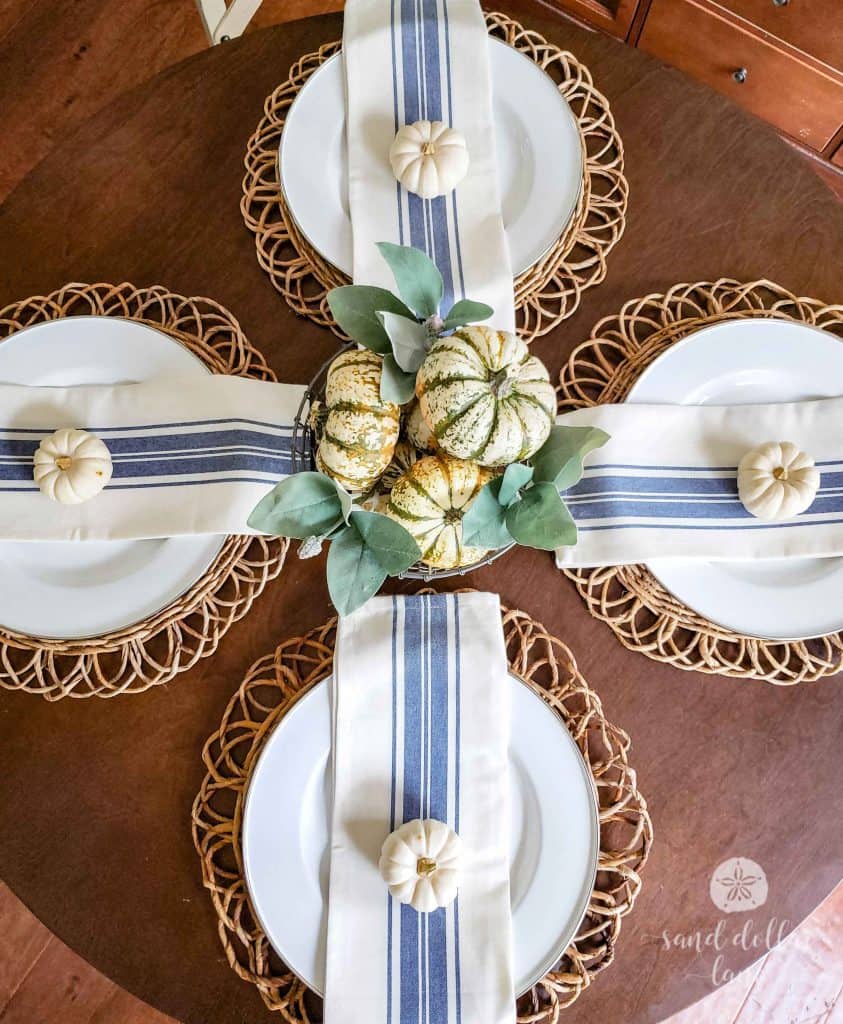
(360, 430)
(485, 397)
(429, 501)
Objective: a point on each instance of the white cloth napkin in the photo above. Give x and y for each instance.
(665, 485)
(421, 707)
(406, 62)
(189, 456)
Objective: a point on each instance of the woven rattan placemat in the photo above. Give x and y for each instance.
(547, 292)
(274, 684)
(640, 612)
(172, 640)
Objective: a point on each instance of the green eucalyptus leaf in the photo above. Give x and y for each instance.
(346, 500)
(355, 308)
(516, 475)
(304, 505)
(541, 520)
(410, 340)
(484, 524)
(371, 548)
(466, 312)
(560, 459)
(417, 276)
(396, 385)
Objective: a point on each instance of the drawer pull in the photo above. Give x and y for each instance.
(780, 3)
(740, 76)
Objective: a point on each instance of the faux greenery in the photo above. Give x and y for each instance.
(401, 327)
(524, 505)
(366, 547)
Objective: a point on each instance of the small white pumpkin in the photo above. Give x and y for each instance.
(420, 862)
(72, 466)
(777, 481)
(485, 397)
(428, 158)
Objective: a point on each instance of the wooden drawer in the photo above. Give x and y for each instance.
(613, 16)
(790, 92)
(815, 26)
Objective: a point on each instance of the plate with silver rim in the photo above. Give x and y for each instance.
(745, 362)
(555, 835)
(70, 590)
(539, 155)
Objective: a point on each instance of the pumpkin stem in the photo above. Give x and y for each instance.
(428, 149)
(64, 462)
(453, 515)
(501, 383)
(425, 866)
(780, 473)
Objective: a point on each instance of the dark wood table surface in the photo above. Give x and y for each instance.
(95, 795)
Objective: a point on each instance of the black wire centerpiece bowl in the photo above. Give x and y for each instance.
(304, 444)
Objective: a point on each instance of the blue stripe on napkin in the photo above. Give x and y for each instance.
(680, 497)
(425, 687)
(183, 455)
(425, 65)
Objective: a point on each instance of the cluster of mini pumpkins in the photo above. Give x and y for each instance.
(482, 402)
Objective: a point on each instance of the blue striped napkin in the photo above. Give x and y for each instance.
(665, 485)
(421, 730)
(190, 456)
(404, 62)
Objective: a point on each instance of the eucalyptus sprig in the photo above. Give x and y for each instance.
(401, 329)
(366, 547)
(524, 504)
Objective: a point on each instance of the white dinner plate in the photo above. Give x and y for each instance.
(540, 159)
(751, 362)
(554, 844)
(70, 590)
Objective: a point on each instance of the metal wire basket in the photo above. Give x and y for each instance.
(304, 445)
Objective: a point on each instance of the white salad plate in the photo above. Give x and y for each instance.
(554, 835)
(752, 362)
(76, 589)
(540, 159)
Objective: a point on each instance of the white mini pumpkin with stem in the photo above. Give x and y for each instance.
(484, 396)
(777, 481)
(360, 430)
(421, 862)
(428, 158)
(72, 466)
(430, 500)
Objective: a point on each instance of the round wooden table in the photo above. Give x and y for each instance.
(95, 796)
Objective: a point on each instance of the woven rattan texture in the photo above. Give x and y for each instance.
(271, 688)
(641, 613)
(547, 292)
(172, 640)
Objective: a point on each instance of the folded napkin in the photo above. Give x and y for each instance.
(421, 730)
(190, 455)
(406, 62)
(665, 485)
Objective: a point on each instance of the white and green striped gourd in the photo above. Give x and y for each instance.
(485, 397)
(360, 430)
(429, 501)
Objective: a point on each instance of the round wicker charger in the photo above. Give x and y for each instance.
(547, 292)
(172, 640)
(642, 614)
(271, 688)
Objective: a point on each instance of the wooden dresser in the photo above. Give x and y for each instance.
(780, 59)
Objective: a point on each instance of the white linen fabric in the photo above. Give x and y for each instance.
(665, 485)
(190, 456)
(407, 61)
(421, 706)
